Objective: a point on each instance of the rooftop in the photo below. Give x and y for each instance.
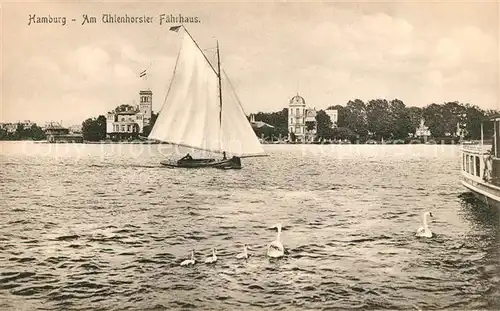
(129, 112)
(297, 100)
(495, 117)
(260, 124)
(54, 126)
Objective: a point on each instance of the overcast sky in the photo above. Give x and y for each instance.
(419, 52)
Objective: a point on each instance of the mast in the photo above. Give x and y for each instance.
(220, 85)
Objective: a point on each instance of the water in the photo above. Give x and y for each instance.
(104, 227)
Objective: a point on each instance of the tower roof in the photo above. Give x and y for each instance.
(311, 113)
(297, 100)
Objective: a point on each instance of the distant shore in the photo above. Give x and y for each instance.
(448, 141)
(104, 142)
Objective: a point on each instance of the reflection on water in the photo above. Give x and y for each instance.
(96, 227)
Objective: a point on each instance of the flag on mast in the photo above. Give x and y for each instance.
(175, 28)
(143, 74)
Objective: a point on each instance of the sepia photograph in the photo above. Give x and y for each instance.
(237, 155)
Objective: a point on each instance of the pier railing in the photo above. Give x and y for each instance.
(477, 148)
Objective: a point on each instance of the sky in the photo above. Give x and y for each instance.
(329, 53)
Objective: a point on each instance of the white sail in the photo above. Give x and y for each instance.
(238, 137)
(190, 114)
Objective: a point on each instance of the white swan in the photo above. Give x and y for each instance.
(188, 262)
(275, 249)
(213, 258)
(244, 254)
(424, 230)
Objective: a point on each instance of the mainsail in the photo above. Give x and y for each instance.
(191, 115)
(237, 133)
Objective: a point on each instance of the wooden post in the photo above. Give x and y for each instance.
(482, 137)
(495, 138)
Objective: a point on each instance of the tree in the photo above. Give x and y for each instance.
(415, 114)
(37, 133)
(310, 125)
(124, 107)
(277, 119)
(474, 116)
(101, 125)
(265, 131)
(33, 132)
(433, 115)
(147, 129)
(3, 134)
(344, 133)
(19, 133)
(324, 125)
(453, 115)
(379, 118)
(401, 121)
(94, 129)
(341, 115)
(355, 117)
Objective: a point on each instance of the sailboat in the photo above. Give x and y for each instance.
(202, 111)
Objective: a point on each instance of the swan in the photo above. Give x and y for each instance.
(212, 259)
(188, 262)
(424, 230)
(275, 249)
(244, 254)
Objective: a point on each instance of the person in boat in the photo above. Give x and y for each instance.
(236, 160)
(224, 155)
(187, 157)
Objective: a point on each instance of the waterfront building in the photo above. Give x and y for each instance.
(311, 126)
(461, 130)
(334, 116)
(301, 120)
(56, 133)
(131, 122)
(75, 129)
(261, 129)
(423, 131)
(12, 127)
(257, 125)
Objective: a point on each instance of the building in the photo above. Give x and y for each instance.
(261, 129)
(56, 133)
(131, 122)
(334, 116)
(259, 124)
(12, 127)
(301, 120)
(75, 129)
(311, 126)
(461, 130)
(422, 130)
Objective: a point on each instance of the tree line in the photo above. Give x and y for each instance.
(380, 119)
(23, 133)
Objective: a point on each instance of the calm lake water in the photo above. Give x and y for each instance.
(105, 227)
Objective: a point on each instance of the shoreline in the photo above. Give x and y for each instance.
(443, 142)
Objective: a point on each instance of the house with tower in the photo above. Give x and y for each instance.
(301, 120)
(130, 123)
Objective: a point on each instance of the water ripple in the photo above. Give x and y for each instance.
(109, 234)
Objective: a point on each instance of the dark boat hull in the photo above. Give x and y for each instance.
(233, 163)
